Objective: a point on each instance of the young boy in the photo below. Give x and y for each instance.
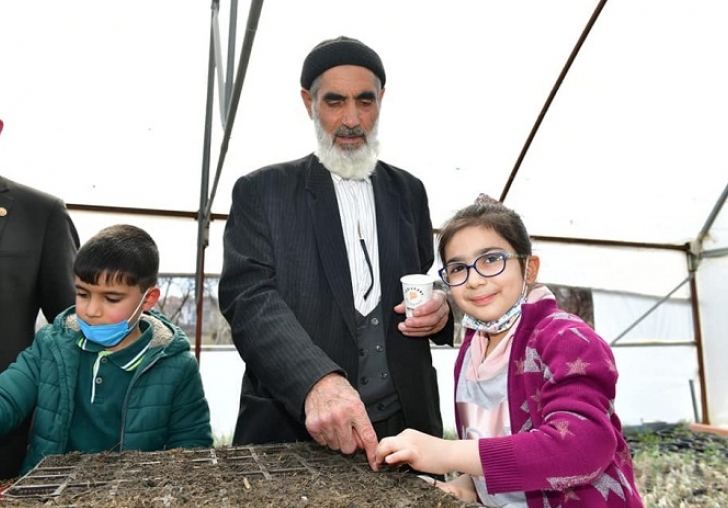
(109, 374)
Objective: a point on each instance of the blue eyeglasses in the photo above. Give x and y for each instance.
(487, 265)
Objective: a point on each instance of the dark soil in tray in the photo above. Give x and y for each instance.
(306, 475)
(280, 476)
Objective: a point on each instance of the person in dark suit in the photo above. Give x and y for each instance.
(38, 243)
(313, 254)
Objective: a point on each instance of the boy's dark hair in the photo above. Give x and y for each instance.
(122, 254)
(490, 215)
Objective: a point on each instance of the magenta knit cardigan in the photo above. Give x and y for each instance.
(567, 447)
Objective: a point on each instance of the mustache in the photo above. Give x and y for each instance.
(350, 131)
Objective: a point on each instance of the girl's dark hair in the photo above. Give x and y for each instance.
(490, 215)
(122, 254)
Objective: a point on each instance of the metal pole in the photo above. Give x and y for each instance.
(203, 223)
(700, 352)
(695, 402)
(256, 7)
(551, 97)
(232, 32)
(713, 215)
(205, 211)
(651, 309)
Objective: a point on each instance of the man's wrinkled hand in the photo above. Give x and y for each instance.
(336, 417)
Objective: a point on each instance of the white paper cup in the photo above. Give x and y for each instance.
(416, 289)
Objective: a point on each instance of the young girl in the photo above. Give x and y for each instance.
(534, 385)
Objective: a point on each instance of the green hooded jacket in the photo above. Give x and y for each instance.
(164, 407)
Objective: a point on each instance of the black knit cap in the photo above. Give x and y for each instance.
(340, 51)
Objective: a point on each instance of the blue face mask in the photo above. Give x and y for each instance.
(110, 335)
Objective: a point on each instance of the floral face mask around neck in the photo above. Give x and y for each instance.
(502, 323)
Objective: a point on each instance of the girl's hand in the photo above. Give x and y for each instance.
(461, 487)
(421, 451)
(430, 454)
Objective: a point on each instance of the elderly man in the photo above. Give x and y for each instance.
(313, 254)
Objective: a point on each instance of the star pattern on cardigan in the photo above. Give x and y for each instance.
(611, 409)
(577, 367)
(519, 366)
(532, 361)
(578, 333)
(546, 503)
(578, 416)
(606, 484)
(611, 366)
(562, 427)
(624, 456)
(536, 397)
(563, 482)
(563, 315)
(570, 495)
(625, 483)
(527, 425)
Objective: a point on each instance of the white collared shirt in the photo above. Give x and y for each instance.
(358, 215)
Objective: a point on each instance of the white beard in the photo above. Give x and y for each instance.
(353, 164)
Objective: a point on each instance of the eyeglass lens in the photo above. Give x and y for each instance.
(487, 265)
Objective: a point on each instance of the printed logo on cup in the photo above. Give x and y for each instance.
(416, 290)
(415, 296)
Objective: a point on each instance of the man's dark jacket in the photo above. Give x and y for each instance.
(38, 244)
(286, 291)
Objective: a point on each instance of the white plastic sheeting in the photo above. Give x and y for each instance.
(104, 103)
(713, 279)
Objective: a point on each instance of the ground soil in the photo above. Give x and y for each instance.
(280, 476)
